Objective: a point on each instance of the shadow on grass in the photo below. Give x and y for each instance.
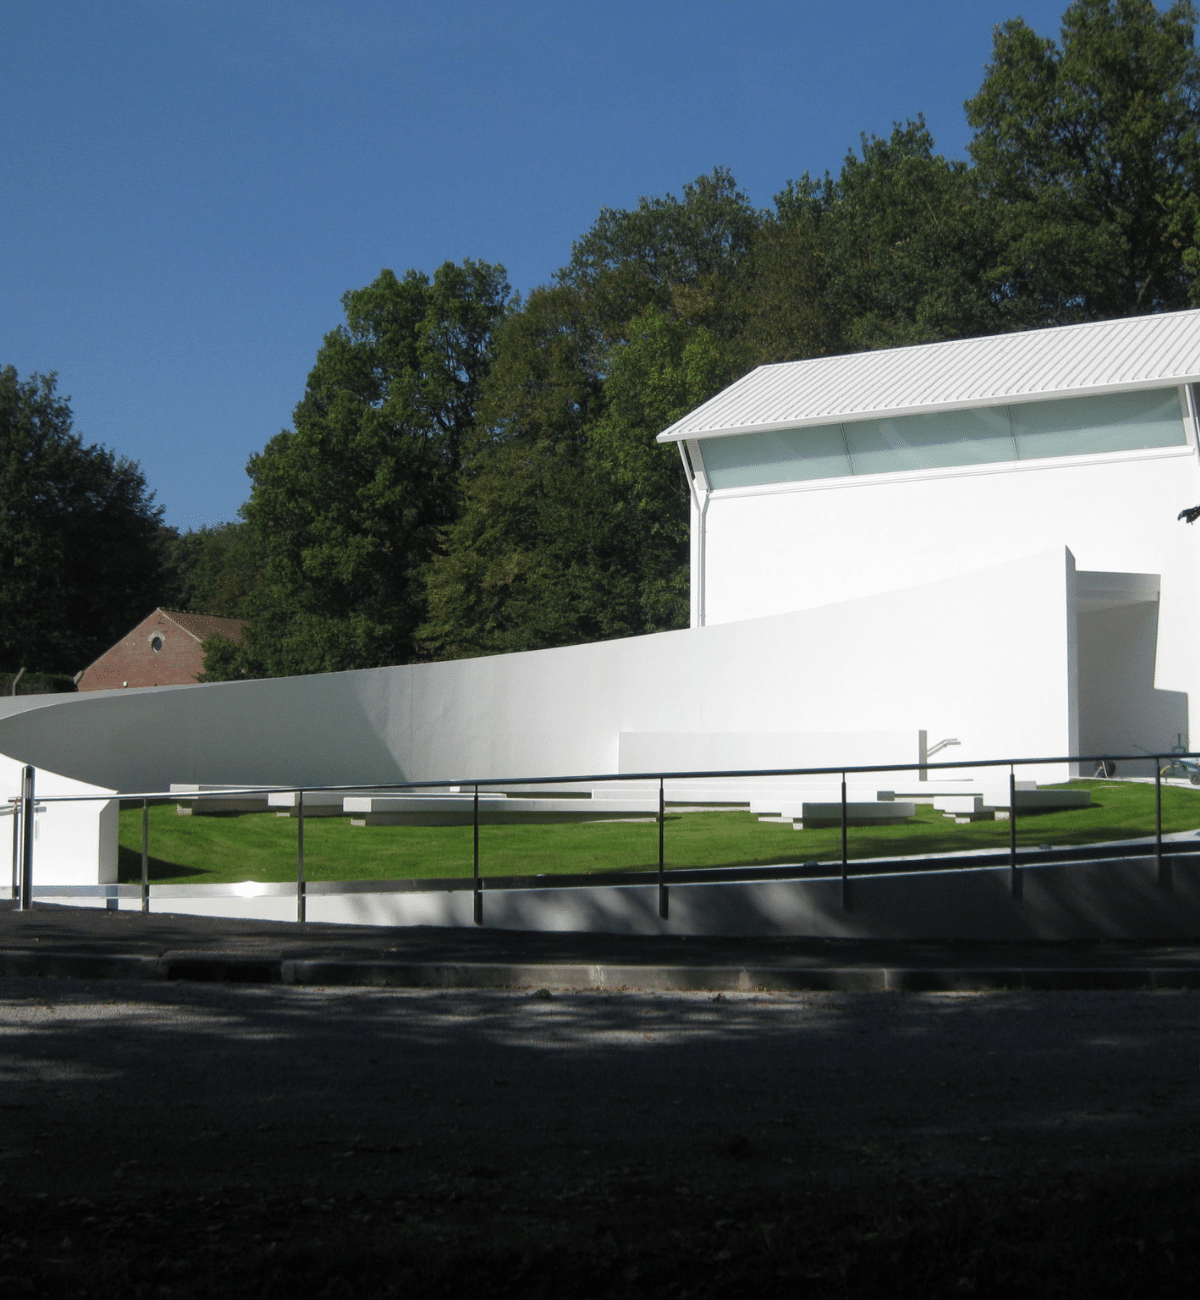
(129, 868)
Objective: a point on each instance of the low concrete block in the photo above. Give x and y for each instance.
(878, 813)
(214, 802)
(459, 810)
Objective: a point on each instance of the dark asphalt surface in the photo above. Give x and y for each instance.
(183, 1139)
(521, 1094)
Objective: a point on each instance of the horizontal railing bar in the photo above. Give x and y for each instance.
(179, 796)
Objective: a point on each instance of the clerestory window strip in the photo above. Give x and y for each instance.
(1073, 426)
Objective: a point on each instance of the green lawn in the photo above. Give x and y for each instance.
(260, 846)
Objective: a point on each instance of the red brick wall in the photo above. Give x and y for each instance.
(133, 661)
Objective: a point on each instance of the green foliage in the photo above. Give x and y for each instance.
(348, 504)
(225, 660)
(664, 370)
(1089, 154)
(897, 250)
(524, 565)
(80, 537)
(909, 244)
(36, 683)
(574, 521)
(673, 254)
(213, 570)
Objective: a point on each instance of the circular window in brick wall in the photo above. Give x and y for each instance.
(156, 644)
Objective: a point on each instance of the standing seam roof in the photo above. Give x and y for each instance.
(1101, 356)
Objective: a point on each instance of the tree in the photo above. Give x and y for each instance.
(898, 249)
(518, 569)
(80, 536)
(347, 505)
(783, 291)
(680, 256)
(664, 370)
(909, 245)
(213, 570)
(1090, 153)
(574, 525)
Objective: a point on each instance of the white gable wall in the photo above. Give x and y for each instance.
(796, 546)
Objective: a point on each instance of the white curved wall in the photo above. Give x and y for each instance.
(988, 657)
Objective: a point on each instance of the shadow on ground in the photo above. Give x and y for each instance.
(272, 1142)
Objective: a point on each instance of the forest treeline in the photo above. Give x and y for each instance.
(469, 472)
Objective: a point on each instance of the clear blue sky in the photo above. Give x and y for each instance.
(191, 185)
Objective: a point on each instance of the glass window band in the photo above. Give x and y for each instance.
(1071, 426)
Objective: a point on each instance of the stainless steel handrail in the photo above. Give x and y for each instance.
(1163, 852)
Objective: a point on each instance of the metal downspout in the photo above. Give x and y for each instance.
(701, 512)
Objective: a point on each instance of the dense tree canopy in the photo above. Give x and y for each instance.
(1088, 153)
(346, 507)
(213, 570)
(468, 475)
(574, 525)
(80, 536)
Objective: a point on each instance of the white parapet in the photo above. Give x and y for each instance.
(74, 843)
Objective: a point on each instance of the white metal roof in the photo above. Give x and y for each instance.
(1070, 361)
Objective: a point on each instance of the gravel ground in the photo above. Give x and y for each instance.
(166, 1139)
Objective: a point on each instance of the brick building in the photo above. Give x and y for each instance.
(163, 650)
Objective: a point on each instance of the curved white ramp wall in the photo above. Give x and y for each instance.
(988, 657)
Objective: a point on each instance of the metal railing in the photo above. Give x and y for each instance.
(22, 809)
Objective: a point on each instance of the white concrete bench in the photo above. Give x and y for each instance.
(255, 802)
(994, 804)
(459, 810)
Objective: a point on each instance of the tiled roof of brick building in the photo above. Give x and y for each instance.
(202, 626)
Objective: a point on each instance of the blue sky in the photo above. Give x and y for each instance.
(191, 185)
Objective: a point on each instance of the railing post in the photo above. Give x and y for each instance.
(477, 888)
(663, 900)
(26, 890)
(1014, 872)
(145, 855)
(16, 847)
(1164, 867)
(301, 895)
(845, 866)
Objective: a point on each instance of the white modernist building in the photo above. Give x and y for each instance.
(844, 479)
(973, 540)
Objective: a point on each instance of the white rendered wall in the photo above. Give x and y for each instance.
(1121, 711)
(986, 657)
(649, 751)
(73, 843)
(799, 546)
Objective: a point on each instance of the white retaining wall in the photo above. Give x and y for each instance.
(73, 843)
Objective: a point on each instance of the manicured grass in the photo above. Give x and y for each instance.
(260, 846)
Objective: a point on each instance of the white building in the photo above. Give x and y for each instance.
(842, 478)
(974, 539)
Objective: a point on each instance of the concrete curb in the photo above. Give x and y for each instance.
(248, 968)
